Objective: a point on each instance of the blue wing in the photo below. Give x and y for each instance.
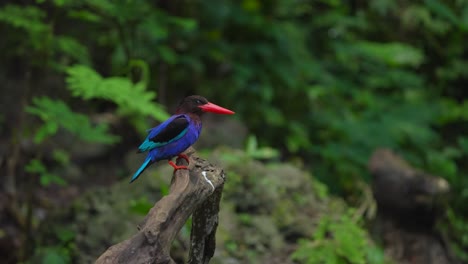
(169, 131)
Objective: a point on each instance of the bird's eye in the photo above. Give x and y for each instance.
(199, 101)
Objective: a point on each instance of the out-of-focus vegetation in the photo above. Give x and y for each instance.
(348, 243)
(324, 82)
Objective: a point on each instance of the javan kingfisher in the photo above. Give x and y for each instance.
(176, 134)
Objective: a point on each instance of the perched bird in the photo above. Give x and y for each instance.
(176, 134)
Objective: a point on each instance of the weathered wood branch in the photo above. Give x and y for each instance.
(204, 224)
(198, 191)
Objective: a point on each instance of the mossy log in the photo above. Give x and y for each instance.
(400, 187)
(194, 191)
(409, 203)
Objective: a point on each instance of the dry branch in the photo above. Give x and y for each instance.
(198, 191)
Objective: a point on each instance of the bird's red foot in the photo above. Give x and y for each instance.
(183, 156)
(177, 167)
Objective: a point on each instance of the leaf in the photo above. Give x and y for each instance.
(56, 113)
(47, 179)
(46, 130)
(252, 150)
(61, 156)
(85, 16)
(186, 24)
(28, 18)
(132, 99)
(140, 206)
(251, 145)
(167, 54)
(35, 166)
(297, 138)
(351, 240)
(335, 241)
(394, 54)
(463, 143)
(442, 10)
(441, 163)
(72, 48)
(55, 255)
(65, 234)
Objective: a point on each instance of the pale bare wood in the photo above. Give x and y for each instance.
(190, 192)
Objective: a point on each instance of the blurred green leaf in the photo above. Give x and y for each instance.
(393, 54)
(55, 114)
(35, 166)
(252, 150)
(463, 143)
(336, 241)
(65, 234)
(72, 48)
(441, 10)
(132, 98)
(140, 206)
(46, 178)
(54, 255)
(28, 18)
(61, 156)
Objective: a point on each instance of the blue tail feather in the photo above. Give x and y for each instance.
(143, 166)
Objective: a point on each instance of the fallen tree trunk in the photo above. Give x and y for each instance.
(195, 191)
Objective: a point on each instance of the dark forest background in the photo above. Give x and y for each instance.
(316, 84)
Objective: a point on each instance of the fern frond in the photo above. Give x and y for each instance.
(73, 48)
(55, 114)
(335, 241)
(28, 18)
(131, 98)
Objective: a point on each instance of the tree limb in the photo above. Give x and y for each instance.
(198, 191)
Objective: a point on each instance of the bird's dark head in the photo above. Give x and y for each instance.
(197, 104)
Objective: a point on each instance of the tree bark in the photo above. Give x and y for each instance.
(196, 190)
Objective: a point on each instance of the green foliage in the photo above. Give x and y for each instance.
(27, 18)
(55, 255)
(391, 54)
(60, 253)
(73, 49)
(131, 99)
(32, 36)
(61, 156)
(325, 81)
(56, 114)
(457, 227)
(140, 206)
(46, 178)
(252, 150)
(328, 87)
(338, 241)
(65, 235)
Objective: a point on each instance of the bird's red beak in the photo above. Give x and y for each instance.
(210, 107)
